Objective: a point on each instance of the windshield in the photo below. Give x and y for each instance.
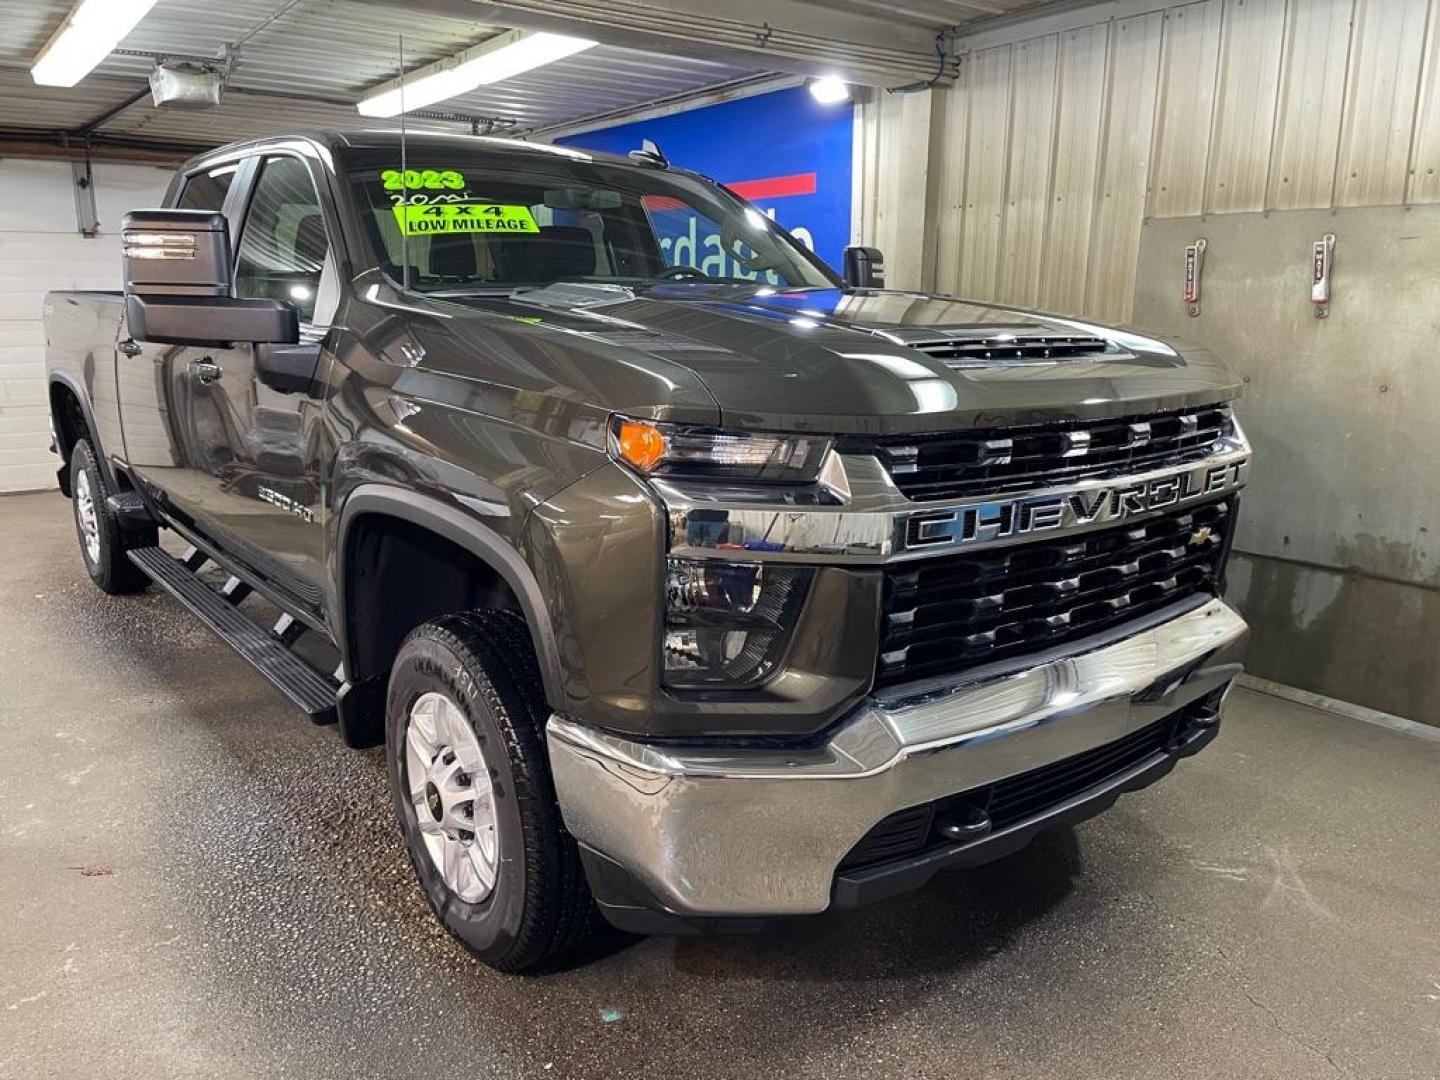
(465, 224)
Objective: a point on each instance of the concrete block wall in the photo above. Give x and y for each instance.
(1338, 553)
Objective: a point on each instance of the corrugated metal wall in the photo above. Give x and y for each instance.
(1052, 149)
(1071, 163)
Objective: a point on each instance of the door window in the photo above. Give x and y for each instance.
(283, 250)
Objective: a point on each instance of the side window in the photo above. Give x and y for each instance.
(207, 190)
(283, 248)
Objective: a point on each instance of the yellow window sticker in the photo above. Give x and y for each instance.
(464, 217)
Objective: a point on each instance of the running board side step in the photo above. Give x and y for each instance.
(267, 651)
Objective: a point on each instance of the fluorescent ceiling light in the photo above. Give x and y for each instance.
(829, 90)
(88, 35)
(501, 57)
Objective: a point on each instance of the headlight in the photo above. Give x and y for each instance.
(728, 624)
(673, 450)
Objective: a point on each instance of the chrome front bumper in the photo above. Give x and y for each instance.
(757, 832)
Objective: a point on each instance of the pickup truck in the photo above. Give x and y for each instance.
(691, 592)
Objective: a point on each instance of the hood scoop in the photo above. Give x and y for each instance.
(994, 344)
(572, 295)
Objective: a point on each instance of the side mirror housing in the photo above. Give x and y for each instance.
(179, 289)
(176, 253)
(864, 268)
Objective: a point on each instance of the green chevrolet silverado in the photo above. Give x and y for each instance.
(693, 597)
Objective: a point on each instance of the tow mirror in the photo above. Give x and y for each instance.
(178, 285)
(864, 268)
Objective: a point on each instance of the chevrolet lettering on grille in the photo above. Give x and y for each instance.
(999, 519)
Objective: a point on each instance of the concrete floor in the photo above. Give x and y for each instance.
(196, 882)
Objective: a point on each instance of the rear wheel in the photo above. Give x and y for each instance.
(102, 542)
(471, 784)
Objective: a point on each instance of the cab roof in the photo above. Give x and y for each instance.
(424, 143)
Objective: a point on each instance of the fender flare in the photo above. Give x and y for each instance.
(463, 530)
(83, 397)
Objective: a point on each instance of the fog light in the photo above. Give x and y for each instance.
(728, 624)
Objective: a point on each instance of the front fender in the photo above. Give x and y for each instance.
(464, 529)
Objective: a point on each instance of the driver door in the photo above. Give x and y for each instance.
(258, 443)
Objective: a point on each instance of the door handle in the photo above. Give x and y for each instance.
(207, 370)
(129, 348)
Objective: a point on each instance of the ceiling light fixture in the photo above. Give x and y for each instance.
(89, 34)
(829, 90)
(502, 57)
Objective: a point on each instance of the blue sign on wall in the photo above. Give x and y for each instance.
(783, 151)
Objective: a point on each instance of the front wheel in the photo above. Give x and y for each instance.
(470, 780)
(102, 542)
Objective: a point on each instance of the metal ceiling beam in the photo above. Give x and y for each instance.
(36, 144)
(935, 13)
(791, 36)
(1054, 17)
(666, 106)
(96, 122)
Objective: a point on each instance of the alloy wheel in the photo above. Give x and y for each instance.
(450, 791)
(85, 514)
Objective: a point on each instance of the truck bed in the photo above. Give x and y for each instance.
(81, 330)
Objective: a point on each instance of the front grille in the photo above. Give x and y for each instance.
(947, 614)
(994, 462)
(964, 352)
(912, 831)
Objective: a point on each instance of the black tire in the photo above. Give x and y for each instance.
(539, 909)
(107, 566)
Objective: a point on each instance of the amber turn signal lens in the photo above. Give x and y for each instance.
(641, 444)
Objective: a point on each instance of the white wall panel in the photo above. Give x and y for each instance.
(1056, 144)
(1386, 48)
(40, 250)
(950, 192)
(865, 173)
(1424, 180)
(987, 160)
(1080, 116)
(1032, 147)
(1311, 104)
(1245, 99)
(1189, 58)
(878, 134)
(1124, 165)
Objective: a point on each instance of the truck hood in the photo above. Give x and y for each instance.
(845, 361)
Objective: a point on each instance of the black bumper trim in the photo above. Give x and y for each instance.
(854, 888)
